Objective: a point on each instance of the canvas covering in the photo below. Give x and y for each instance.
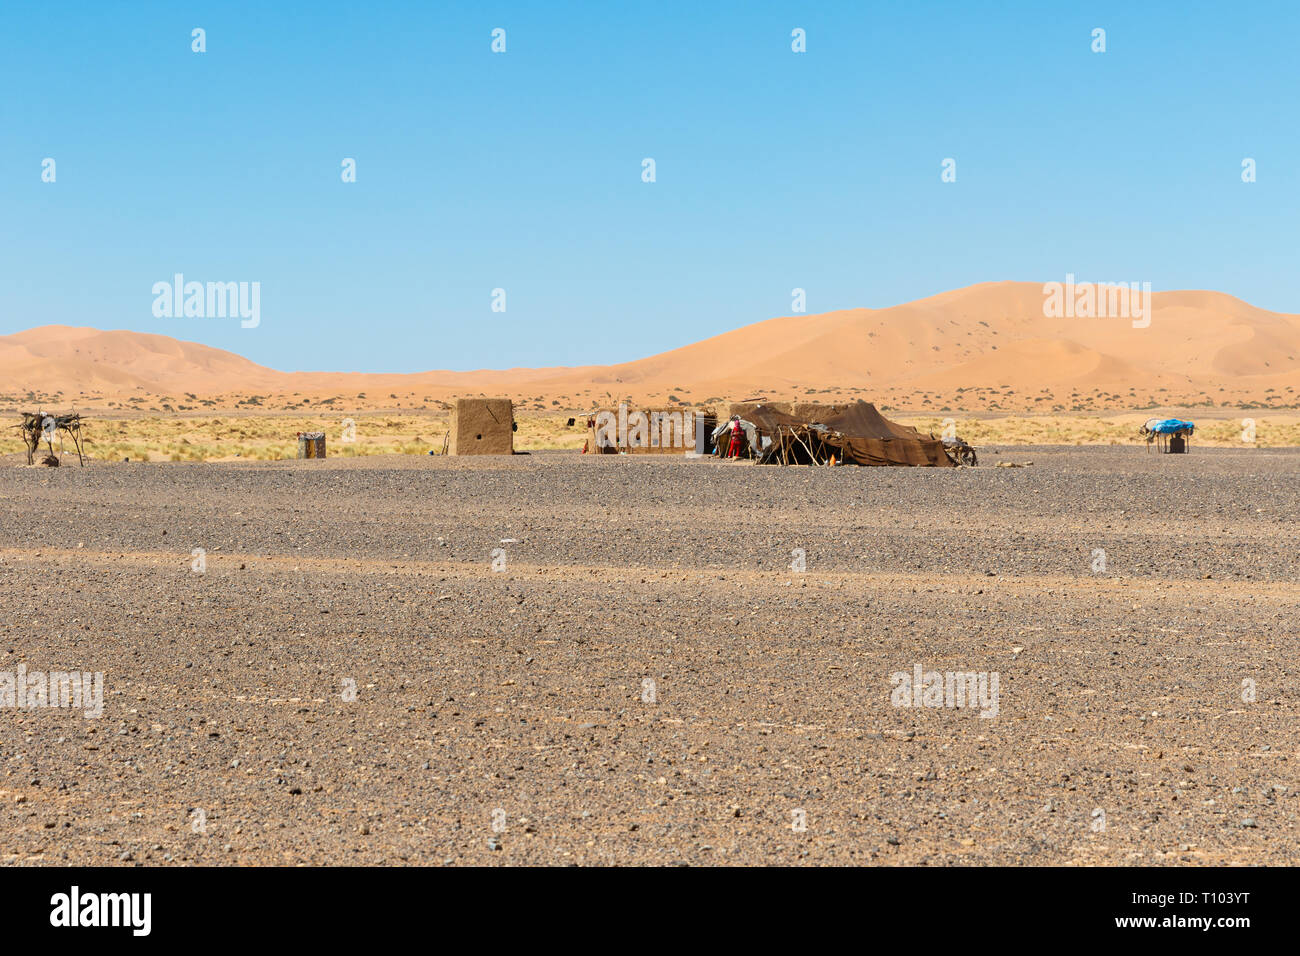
(858, 434)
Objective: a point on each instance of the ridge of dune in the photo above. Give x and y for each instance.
(989, 336)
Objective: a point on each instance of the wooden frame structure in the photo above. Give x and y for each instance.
(38, 426)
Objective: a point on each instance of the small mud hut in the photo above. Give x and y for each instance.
(482, 426)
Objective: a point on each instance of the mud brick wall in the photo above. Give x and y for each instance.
(482, 426)
(680, 441)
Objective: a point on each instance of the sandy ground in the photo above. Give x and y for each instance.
(502, 716)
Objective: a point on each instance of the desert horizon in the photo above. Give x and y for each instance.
(976, 357)
(982, 348)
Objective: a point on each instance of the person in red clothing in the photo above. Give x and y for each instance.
(733, 448)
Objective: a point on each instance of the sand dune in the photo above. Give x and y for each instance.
(60, 357)
(959, 347)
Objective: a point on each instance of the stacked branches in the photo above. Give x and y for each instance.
(38, 426)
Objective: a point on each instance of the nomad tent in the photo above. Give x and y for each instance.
(857, 435)
(869, 438)
(758, 428)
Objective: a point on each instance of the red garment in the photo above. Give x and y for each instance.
(733, 450)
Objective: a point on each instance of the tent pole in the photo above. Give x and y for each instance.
(805, 445)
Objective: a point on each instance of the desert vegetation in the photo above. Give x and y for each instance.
(274, 437)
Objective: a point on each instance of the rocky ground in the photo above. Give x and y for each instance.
(556, 659)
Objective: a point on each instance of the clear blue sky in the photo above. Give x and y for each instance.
(523, 170)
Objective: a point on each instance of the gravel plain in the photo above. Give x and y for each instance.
(552, 659)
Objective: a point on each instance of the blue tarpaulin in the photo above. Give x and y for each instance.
(1171, 426)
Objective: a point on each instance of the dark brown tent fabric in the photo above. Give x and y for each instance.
(869, 438)
(766, 419)
(858, 434)
(895, 451)
(863, 420)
